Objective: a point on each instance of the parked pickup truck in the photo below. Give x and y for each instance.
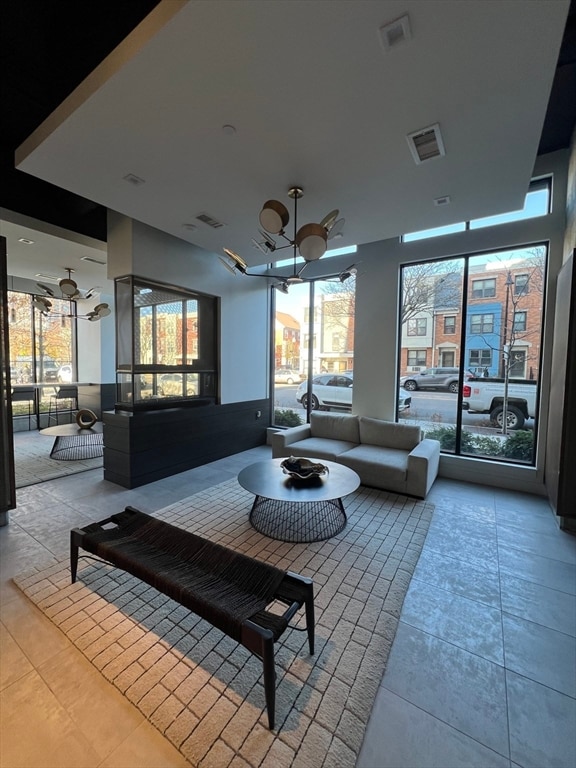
(487, 396)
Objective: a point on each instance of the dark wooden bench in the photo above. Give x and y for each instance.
(226, 588)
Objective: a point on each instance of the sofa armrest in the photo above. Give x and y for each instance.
(423, 461)
(282, 439)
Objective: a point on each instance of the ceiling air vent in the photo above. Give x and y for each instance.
(426, 144)
(92, 259)
(210, 221)
(395, 33)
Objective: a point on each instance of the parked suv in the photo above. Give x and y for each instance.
(334, 390)
(328, 389)
(433, 378)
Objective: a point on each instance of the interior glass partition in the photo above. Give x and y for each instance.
(166, 342)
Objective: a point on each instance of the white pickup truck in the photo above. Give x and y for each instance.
(487, 396)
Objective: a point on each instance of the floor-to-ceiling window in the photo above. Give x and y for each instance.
(42, 346)
(314, 342)
(470, 350)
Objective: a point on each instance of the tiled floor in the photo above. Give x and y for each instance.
(482, 671)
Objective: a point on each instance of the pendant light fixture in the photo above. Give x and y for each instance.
(310, 241)
(69, 290)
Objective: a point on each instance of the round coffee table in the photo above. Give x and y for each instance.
(289, 509)
(73, 443)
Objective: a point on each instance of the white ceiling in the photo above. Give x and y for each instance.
(315, 101)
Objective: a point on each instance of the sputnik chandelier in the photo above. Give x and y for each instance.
(69, 290)
(310, 240)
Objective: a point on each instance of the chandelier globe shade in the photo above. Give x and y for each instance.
(274, 217)
(312, 241)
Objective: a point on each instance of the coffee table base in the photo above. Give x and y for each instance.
(298, 521)
(76, 447)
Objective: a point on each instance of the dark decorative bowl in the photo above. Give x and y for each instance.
(302, 468)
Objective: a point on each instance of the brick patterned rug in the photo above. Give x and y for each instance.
(202, 690)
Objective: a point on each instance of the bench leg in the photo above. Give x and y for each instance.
(269, 680)
(75, 541)
(310, 621)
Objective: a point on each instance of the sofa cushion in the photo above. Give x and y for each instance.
(335, 426)
(389, 434)
(319, 448)
(377, 466)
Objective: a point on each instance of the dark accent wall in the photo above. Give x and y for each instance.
(561, 443)
(145, 446)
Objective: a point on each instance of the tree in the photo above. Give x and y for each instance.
(338, 308)
(429, 286)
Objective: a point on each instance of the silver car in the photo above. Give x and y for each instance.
(433, 378)
(334, 390)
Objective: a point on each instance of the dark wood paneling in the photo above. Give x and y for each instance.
(142, 447)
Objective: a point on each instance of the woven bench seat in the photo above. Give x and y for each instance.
(226, 588)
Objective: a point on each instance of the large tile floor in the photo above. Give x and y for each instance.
(482, 671)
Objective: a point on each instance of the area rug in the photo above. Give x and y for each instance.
(32, 462)
(202, 690)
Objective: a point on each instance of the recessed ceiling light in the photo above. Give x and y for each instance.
(228, 130)
(445, 200)
(190, 227)
(52, 278)
(26, 241)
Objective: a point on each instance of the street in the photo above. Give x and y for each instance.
(428, 406)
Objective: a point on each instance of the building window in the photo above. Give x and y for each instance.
(449, 324)
(484, 289)
(519, 321)
(416, 358)
(481, 324)
(520, 285)
(480, 358)
(417, 326)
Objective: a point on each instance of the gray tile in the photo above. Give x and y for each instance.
(554, 574)
(400, 734)
(458, 687)
(449, 573)
(466, 623)
(557, 545)
(533, 602)
(478, 551)
(542, 724)
(542, 654)
(537, 520)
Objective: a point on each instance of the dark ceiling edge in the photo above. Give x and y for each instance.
(49, 48)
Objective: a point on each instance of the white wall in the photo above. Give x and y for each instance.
(245, 303)
(96, 344)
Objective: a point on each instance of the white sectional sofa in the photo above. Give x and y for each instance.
(385, 455)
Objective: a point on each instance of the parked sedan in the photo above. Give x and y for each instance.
(286, 376)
